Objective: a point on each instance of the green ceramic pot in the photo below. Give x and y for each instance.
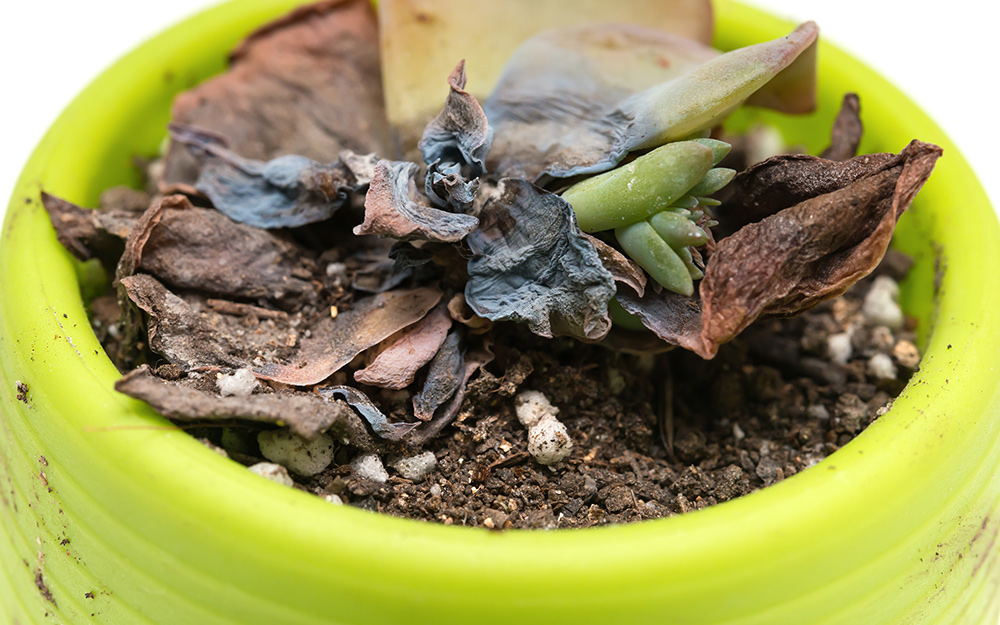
(108, 516)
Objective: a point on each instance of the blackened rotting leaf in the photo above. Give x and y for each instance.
(532, 265)
(460, 133)
(674, 318)
(444, 377)
(335, 341)
(369, 411)
(307, 84)
(783, 181)
(623, 268)
(808, 253)
(285, 192)
(446, 188)
(847, 130)
(305, 414)
(406, 352)
(392, 209)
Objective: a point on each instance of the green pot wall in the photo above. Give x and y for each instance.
(107, 515)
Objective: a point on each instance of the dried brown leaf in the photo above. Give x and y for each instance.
(444, 377)
(412, 348)
(622, 268)
(847, 130)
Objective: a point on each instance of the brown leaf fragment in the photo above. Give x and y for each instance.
(334, 342)
(306, 414)
(307, 84)
(392, 208)
(847, 130)
(410, 349)
(141, 232)
(810, 252)
(622, 268)
(475, 360)
(674, 318)
(460, 133)
(444, 377)
(461, 312)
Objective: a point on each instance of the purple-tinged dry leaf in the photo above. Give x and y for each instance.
(475, 360)
(622, 268)
(335, 341)
(847, 130)
(305, 414)
(370, 412)
(391, 209)
(485, 33)
(532, 265)
(565, 105)
(285, 192)
(411, 349)
(306, 84)
(444, 377)
(815, 250)
(460, 133)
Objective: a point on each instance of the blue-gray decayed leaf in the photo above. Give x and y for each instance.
(285, 192)
(673, 317)
(447, 188)
(569, 103)
(369, 411)
(532, 265)
(391, 209)
(444, 376)
(460, 133)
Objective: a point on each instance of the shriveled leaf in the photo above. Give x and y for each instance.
(674, 318)
(485, 34)
(142, 230)
(532, 265)
(306, 84)
(460, 133)
(447, 188)
(809, 252)
(414, 347)
(335, 341)
(377, 272)
(369, 411)
(621, 267)
(444, 377)
(284, 192)
(565, 106)
(847, 130)
(305, 414)
(475, 360)
(462, 313)
(88, 233)
(391, 209)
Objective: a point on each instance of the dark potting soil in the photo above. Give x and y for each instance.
(772, 404)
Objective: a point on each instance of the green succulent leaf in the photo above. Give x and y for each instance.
(645, 246)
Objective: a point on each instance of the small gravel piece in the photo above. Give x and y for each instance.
(334, 499)
(881, 307)
(906, 354)
(548, 439)
(369, 467)
(415, 468)
(273, 472)
(531, 406)
(296, 453)
(839, 349)
(240, 383)
(880, 366)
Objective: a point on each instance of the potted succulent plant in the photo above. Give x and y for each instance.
(108, 514)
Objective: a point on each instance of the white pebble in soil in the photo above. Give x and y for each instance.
(274, 472)
(416, 468)
(240, 383)
(297, 454)
(369, 467)
(880, 366)
(548, 439)
(881, 307)
(839, 349)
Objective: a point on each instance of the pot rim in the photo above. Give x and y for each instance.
(929, 452)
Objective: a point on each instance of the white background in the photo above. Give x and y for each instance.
(944, 55)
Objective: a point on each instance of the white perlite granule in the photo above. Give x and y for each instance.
(369, 467)
(415, 468)
(880, 366)
(296, 453)
(237, 384)
(881, 307)
(839, 348)
(548, 440)
(273, 472)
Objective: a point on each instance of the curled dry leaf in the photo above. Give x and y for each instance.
(87, 233)
(407, 351)
(369, 411)
(304, 413)
(532, 264)
(564, 105)
(392, 209)
(334, 342)
(284, 192)
(444, 377)
(847, 130)
(460, 133)
(475, 360)
(622, 268)
(446, 187)
(462, 313)
(306, 84)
